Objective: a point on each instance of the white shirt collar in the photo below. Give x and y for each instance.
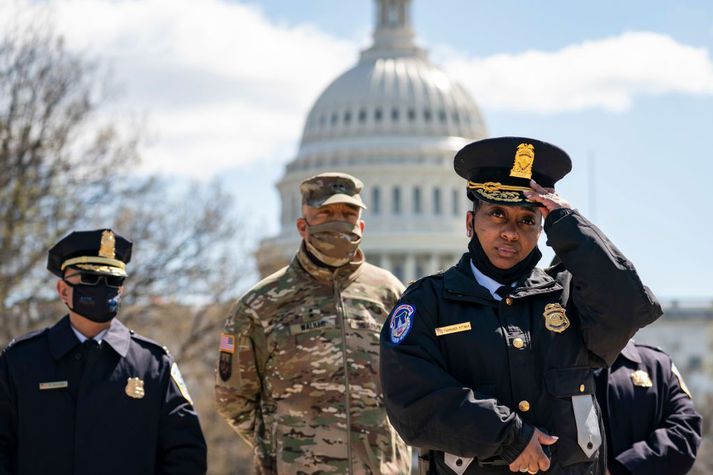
(488, 282)
(99, 337)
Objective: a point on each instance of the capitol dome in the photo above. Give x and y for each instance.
(395, 121)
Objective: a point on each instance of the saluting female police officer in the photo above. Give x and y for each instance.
(488, 366)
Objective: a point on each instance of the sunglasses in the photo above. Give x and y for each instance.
(94, 279)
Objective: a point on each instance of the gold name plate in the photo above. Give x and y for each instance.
(54, 385)
(458, 327)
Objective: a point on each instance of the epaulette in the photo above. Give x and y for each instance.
(555, 268)
(415, 284)
(151, 342)
(26, 337)
(651, 347)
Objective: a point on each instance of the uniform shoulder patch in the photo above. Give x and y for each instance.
(26, 337)
(401, 322)
(681, 383)
(178, 379)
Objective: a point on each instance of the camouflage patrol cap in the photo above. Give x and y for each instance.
(330, 188)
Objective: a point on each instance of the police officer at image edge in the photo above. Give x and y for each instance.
(650, 421)
(649, 417)
(489, 368)
(110, 403)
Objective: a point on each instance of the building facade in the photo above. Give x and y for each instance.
(395, 121)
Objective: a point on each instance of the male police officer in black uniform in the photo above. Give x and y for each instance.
(488, 366)
(650, 422)
(88, 396)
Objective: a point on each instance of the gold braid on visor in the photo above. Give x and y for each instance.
(496, 186)
(93, 260)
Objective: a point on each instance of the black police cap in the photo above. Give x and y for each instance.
(499, 169)
(101, 251)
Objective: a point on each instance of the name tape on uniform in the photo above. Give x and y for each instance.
(54, 385)
(458, 327)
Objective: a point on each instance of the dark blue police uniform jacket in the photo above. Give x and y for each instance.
(468, 378)
(649, 417)
(65, 407)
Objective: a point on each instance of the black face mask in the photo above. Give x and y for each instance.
(98, 303)
(503, 276)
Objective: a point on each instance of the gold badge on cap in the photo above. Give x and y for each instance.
(641, 378)
(555, 318)
(524, 158)
(107, 246)
(135, 388)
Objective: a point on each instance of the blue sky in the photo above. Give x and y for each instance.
(625, 87)
(651, 168)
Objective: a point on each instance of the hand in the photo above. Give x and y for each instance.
(607, 472)
(547, 196)
(533, 459)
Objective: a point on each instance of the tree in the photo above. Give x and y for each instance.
(55, 161)
(63, 168)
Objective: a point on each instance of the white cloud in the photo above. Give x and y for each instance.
(602, 74)
(220, 83)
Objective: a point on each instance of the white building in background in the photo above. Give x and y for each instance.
(395, 121)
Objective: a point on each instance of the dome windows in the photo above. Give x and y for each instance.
(436, 201)
(396, 200)
(456, 202)
(362, 116)
(417, 200)
(351, 120)
(375, 200)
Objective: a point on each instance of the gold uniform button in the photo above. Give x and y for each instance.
(518, 343)
(508, 301)
(524, 406)
(581, 388)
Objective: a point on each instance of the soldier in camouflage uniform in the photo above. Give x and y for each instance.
(298, 360)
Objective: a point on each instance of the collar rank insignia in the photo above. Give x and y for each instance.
(641, 378)
(135, 388)
(555, 318)
(524, 158)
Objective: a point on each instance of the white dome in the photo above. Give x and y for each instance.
(403, 96)
(395, 121)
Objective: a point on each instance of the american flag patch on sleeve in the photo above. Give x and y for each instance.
(227, 343)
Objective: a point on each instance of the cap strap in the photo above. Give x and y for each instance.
(93, 260)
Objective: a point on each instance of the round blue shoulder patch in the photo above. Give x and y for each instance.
(401, 322)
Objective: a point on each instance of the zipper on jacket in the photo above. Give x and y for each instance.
(340, 311)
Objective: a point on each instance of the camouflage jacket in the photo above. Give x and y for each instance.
(298, 370)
